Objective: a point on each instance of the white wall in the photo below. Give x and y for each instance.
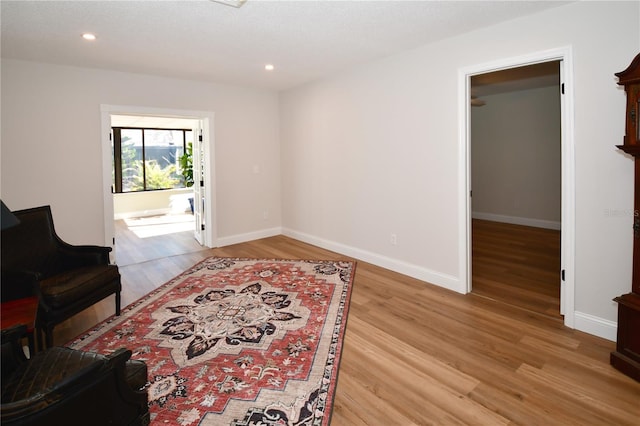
(515, 158)
(374, 151)
(148, 203)
(51, 135)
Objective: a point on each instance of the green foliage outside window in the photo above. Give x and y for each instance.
(186, 165)
(131, 168)
(156, 176)
(151, 159)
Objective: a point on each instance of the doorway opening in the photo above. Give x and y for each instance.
(516, 186)
(510, 202)
(153, 195)
(149, 201)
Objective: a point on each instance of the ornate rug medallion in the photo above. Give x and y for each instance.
(237, 341)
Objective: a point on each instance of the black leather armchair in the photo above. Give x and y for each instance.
(62, 386)
(66, 278)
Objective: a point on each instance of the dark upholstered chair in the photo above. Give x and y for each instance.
(66, 278)
(62, 386)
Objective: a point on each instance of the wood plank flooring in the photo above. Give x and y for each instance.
(137, 242)
(517, 265)
(417, 354)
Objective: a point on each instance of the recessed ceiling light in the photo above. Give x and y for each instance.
(88, 36)
(269, 67)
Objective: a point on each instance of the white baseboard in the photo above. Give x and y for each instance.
(595, 325)
(249, 236)
(525, 221)
(583, 322)
(418, 272)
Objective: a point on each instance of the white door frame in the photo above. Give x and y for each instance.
(199, 183)
(565, 56)
(207, 117)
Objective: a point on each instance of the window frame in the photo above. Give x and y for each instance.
(117, 156)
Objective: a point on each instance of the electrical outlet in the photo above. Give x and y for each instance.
(393, 239)
(265, 215)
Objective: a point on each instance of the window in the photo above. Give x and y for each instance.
(148, 159)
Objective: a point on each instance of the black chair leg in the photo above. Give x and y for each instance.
(118, 303)
(32, 343)
(48, 336)
(38, 334)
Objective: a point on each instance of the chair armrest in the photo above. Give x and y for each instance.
(119, 356)
(82, 377)
(84, 255)
(100, 364)
(17, 284)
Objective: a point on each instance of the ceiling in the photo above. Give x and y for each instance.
(209, 41)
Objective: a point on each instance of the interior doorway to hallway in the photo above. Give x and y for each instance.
(562, 58)
(516, 168)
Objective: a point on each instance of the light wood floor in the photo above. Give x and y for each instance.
(517, 265)
(416, 354)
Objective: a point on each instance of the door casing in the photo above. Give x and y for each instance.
(207, 118)
(567, 256)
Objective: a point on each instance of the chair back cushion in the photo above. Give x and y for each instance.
(31, 245)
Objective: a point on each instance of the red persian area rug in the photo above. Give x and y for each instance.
(237, 341)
